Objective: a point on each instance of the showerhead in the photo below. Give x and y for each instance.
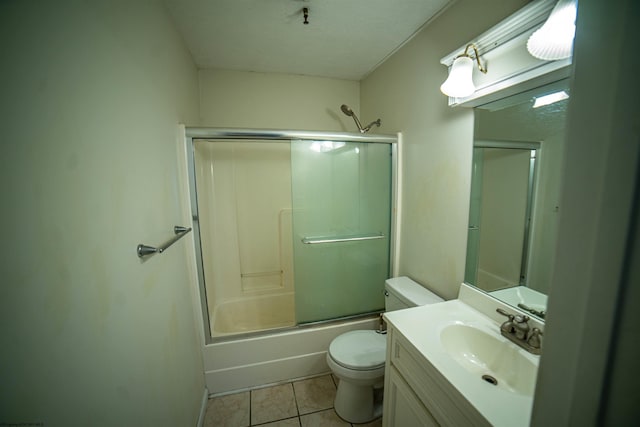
(345, 109)
(349, 112)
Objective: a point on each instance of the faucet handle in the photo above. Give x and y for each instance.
(534, 338)
(507, 326)
(521, 326)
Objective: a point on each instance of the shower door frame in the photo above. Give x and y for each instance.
(240, 135)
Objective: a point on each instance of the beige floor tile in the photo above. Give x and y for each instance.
(374, 423)
(228, 411)
(289, 422)
(272, 404)
(314, 394)
(327, 418)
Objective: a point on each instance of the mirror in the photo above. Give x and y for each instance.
(517, 158)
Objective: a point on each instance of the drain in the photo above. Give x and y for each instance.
(490, 379)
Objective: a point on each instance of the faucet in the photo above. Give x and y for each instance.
(517, 329)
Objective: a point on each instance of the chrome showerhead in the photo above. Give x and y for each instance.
(345, 109)
(349, 112)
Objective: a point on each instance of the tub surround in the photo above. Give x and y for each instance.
(253, 314)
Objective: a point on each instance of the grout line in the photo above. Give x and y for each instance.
(295, 399)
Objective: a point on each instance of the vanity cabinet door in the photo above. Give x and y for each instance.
(402, 407)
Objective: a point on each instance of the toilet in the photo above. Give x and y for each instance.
(357, 357)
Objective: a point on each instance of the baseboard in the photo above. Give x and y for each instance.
(203, 408)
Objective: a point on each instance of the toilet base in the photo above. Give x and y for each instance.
(356, 403)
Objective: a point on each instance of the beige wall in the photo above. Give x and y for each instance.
(405, 93)
(276, 101)
(92, 93)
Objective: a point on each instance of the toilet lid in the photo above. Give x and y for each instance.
(361, 350)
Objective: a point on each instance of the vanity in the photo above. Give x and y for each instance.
(448, 365)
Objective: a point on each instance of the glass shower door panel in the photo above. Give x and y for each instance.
(341, 193)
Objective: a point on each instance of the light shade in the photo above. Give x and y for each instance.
(460, 82)
(554, 40)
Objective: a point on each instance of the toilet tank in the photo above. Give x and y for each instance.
(402, 292)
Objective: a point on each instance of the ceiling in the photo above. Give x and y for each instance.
(344, 39)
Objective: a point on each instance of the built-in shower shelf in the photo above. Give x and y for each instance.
(340, 239)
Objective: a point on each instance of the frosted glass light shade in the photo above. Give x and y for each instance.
(459, 84)
(554, 40)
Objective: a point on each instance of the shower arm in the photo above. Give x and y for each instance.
(375, 122)
(367, 127)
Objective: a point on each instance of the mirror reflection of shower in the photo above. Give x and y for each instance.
(349, 112)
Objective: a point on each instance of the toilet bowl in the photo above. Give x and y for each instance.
(357, 357)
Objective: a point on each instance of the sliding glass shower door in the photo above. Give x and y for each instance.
(341, 204)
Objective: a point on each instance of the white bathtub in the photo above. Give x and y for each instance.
(253, 314)
(247, 362)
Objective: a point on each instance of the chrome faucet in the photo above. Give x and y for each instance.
(517, 329)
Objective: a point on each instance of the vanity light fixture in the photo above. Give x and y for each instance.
(550, 98)
(554, 40)
(459, 84)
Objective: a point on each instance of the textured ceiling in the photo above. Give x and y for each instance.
(344, 38)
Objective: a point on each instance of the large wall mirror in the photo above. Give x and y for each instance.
(518, 148)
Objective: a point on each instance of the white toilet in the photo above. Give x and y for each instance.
(357, 357)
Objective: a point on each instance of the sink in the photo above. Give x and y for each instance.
(462, 345)
(490, 358)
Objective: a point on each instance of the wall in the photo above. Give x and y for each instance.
(588, 372)
(276, 101)
(92, 93)
(404, 92)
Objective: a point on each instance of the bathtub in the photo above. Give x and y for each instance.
(244, 362)
(251, 314)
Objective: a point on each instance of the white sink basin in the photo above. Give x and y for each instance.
(490, 358)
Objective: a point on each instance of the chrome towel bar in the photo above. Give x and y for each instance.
(338, 239)
(179, 231)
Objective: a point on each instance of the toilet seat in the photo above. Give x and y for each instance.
(359, 350)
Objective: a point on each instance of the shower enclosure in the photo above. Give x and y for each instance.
(291, 228)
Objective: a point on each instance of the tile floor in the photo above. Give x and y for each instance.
(303, 403)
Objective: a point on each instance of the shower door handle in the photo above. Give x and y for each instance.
(340, 239)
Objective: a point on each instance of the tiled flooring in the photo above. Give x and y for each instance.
(304, 403)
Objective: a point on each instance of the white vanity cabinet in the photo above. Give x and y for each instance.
(416, 394)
